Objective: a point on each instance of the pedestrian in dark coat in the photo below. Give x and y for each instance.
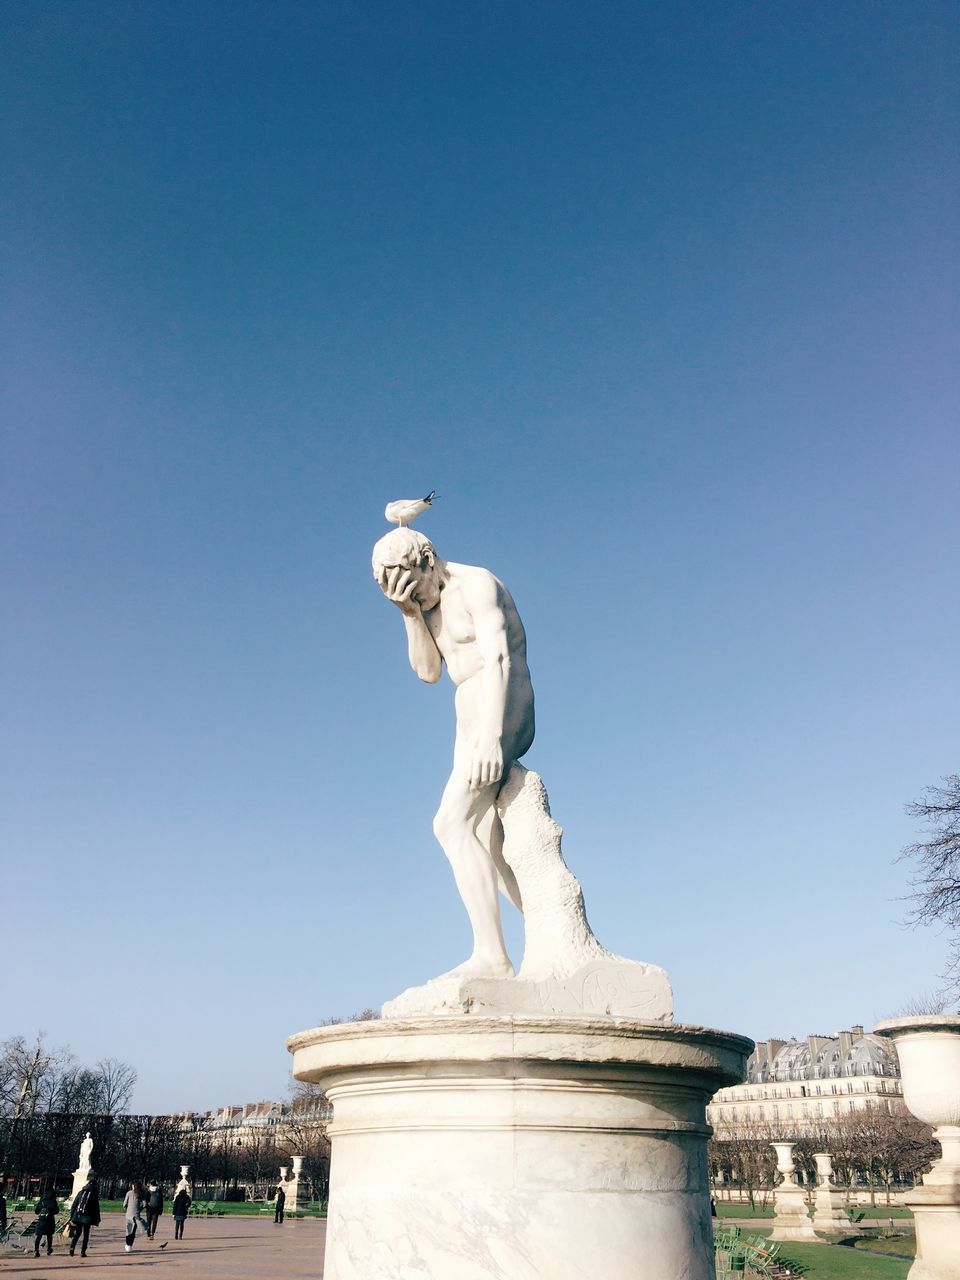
(154, 1208)
(281, 1201)
(84, 1214)
(181, 1207)
(46, 1210)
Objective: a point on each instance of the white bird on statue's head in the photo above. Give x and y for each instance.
(405, 510)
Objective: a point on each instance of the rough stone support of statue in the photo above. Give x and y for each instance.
(494, 821)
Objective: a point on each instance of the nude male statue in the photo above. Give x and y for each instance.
(464, 616)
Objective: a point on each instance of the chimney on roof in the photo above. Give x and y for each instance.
(815, 1044)
(846, 1043)
(856, 1031)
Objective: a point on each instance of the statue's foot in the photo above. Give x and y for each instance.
(478, 967)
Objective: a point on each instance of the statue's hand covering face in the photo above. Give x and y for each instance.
(405, 567)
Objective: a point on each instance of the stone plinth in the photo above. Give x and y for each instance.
(297, 1192)
(791, 1220)
(518, 1148)
(928, 1047)
(830, 1217)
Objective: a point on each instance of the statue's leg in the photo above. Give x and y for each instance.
(490, 835)
(461, 812)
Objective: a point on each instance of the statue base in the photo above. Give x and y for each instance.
(518, 1148)
(829, 1216)
(607, 987)
(936, 1220)
(791, 1219)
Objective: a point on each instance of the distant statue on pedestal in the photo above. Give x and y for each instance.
(494, 820)
(82, 1171)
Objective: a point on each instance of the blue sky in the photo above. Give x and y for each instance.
(662, 299)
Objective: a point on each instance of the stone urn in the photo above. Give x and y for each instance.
(791, 1220)
(928, 1046)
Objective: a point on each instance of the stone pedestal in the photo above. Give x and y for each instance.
(829, 1215)
(928, 1047)
(791, 1220)
(518, 1148)
(297, 1192)
(184, 1183)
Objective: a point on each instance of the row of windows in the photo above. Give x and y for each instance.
(811, 1090)
(760, 1113)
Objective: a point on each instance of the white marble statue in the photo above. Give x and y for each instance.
(82, 1172)
(494, 821)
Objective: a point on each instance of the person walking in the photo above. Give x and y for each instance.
(84, 1214)
(133, 1212)
(154, 1208)
(181, 1207)
(281, 1201)
(46, 1210)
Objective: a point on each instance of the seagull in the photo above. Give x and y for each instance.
(405, 510)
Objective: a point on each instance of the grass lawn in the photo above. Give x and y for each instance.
(245, 1208)
(836, 1262)
(886, 1211)
(881, 1212)
(725, 1210)
(902, 1244)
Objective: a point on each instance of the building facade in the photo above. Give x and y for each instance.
(794, 1085)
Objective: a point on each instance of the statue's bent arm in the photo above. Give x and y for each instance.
(422, 649)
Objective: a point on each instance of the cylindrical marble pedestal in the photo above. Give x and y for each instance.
(518, 1148)
(928, 1046)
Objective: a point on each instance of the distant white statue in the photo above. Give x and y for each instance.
(494, 820)
(82, 1172)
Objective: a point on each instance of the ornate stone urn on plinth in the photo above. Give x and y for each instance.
(928, 1047)
(297, 1190)
(829, 1215)
(544, 1124)
(791, 1220)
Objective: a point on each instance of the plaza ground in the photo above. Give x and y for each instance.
(247, 1248)
(232, 1248)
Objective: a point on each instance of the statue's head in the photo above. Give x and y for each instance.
(405, 549)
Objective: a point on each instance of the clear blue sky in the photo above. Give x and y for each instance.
(662, 299)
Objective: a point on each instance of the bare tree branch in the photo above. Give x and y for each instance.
(936, 876)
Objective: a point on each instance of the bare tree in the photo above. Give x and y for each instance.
(936, 878)
(117, 1080)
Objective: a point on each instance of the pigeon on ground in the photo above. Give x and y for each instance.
(405, 510)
